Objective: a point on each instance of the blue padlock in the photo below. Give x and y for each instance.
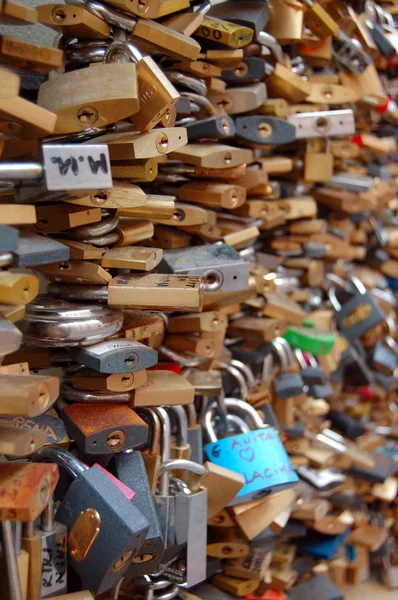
(258, 455)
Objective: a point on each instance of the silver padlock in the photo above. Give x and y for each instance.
(52, 322)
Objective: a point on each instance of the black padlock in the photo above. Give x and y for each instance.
(213, 128)
(375, 257)
(314, 377)
(382, 42)
(250, 70)
(382, 358)
(253, 14)
(294, 432)
(269, 415)
(288, 385)
(383, 468)
(129, 468)
(262, 131)
(356, 370)
(106, 530)
(346, 424)
(251, 355)
(295, 528)
(359, 313)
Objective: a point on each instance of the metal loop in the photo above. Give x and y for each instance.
(166, 448)
(66, 291)
(60, 457)
(182, 423)
(266, 39)
(111, 16)
(93, 230)
(240, 423)
(245, 370)
(94, 397)
(238, 376)
(196, 85)
(202, 102)
(184, 361)
(180, 464)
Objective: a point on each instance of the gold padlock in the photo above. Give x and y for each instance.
(91, 97)
(318, 161)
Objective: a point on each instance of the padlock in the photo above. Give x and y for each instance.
(47, 548)
(50, 322)
(191, 513)
(220, 266)
(164, 500)
(359, 313)
(246, 448)
(129, 467)
(31, 487)
(79, 99)
(286, 385)
(94, 503)
(145, 31)
(318, 161)
(104, 428)
(27, 396)
(313, 376)
(383, 358)
(120, 356)
(157, 95)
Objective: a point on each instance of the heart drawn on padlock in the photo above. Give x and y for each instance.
(247, 454)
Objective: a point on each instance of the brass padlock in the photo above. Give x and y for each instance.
(80, 99)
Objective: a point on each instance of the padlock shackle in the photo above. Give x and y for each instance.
(284, 357)
(200, 8)
(111, 16)
(266, 39)
(333, 299)
(180, 464)
(238, 376)
(245, 370)
(166, 447)
(156, 426)
(180, 359)
(238, 422)
(266, 371)
(182, 423)
(61, 457)
(245, 409)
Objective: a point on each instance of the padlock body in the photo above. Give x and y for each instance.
(156, 94)
(115, 525)
(288, 385)
(359, 314)
(260, 457)
(318, 167)
(130, 470)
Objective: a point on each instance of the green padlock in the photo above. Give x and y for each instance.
(309, 339)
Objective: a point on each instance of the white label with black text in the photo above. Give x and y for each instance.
(77, 166)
